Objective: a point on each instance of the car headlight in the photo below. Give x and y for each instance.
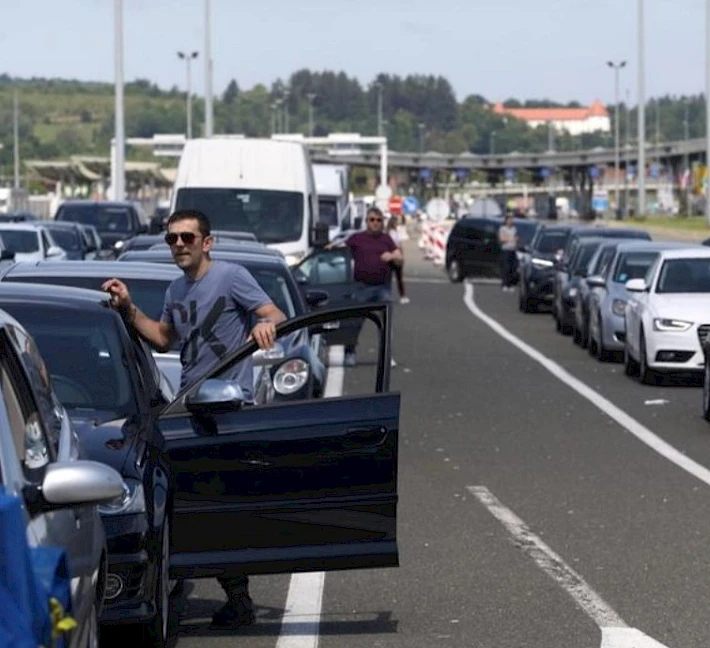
(671, 325)
(572, 293)
(291, 376)
(118, 245)
(618, 307)
(132, 500)
(542, 263)
(295, 258)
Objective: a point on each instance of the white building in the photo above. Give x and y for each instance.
(573, 120)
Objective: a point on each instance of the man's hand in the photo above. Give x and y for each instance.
(387, 257)
(120, 297)
(264, 334)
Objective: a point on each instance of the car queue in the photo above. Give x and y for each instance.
(617, 293)
(202, 486)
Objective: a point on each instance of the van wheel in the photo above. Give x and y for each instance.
(454, 271)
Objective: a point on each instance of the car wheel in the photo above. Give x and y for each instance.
(93, 634)
(156, 632)
(630, 365)
(454, 271)
(600, 352)
(584, 333)
(646, 376)
(706, 391)
(524, 302)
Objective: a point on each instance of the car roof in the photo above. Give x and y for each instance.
(98, 203)
(107, 269)
(652, 246)
(698, 252)
(238, 256)
(53, 295)
(26, 226)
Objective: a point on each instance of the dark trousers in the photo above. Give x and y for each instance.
(236, 587)
(507, 267)
(369, 294)
(399, 274)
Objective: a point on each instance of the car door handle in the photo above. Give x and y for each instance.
(361, 436)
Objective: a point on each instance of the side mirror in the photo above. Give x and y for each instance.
(74, 483)
(300, 276)
(7, 255)
(316, 298)
(268, 357)
(596, 281)
(215, 394)
(54, 251)
(320, 235)
(637, 285)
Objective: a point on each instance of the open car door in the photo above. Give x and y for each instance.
(307, 485)
(332, 272)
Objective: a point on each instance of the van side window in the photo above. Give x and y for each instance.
(311, 217)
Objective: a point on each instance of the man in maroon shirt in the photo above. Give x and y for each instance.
(374, 253)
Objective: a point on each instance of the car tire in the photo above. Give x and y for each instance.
(706, 391)
(646, 376)
(156, 632)
(524, 302)
(455, 272)
(93, 635)
(631, 367)
(600, 353)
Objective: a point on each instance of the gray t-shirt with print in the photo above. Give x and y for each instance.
(210, 316)
(509, 233)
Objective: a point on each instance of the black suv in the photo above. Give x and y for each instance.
(114, 221)
(473, 245)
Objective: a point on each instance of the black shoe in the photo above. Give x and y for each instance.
(234, 614)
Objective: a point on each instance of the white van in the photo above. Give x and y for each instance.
(261, 186)
(333, 197)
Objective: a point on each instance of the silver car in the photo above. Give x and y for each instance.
(41, 464)
(608, 294)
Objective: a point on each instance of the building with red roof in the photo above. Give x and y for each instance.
(573, 120)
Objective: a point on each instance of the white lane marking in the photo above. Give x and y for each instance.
(301, 620)
(483, 281)
(300, 623)
(641, 432)
(551, 563)
(615, 631)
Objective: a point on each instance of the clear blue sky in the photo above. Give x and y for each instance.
(526, 49)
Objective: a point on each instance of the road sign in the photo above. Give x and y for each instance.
(425, 174)
(395, 205)
(545, 172)
(438, 209)
(594, 171)
(461, 174)
(410, 205)
(655, 170)
(509, 174)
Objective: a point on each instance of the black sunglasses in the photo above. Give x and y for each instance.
(375, 220)
(188, 238)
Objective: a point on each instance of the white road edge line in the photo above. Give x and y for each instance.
(641, 432)
(614, 630)
(301, 620)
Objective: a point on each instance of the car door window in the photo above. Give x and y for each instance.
(328, 267)
(28, 431)
(45, 241)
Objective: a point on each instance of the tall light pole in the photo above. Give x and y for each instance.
(641, 165)
(627, 153)
(287, 92)
(380, 89)
(209, 114)
(492, 143)
(119, 179)
(274, 108)
(311, 97)
(686, 164)
(16, 138)
(707, 111)
(616, 67)
(421, 137)
(187, 57)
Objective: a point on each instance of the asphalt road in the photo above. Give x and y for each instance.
(532, 513)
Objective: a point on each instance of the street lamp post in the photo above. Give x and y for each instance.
(707, 111)
(209, 113)
(16, 138)
(686, 163)
(421, 137)
(616, 67)
(188, 57)
(492, 143)
(379, 108)
(311, 97)
(641, 165)
(118, 181)
(287, 92)
(627, 153)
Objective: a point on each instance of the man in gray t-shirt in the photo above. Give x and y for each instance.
(508, 240)
(207, 311)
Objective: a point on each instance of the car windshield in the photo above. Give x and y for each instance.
(84, 353)
(684, 276)
(273, 216)
(20, 241)
(633, 265)
(328, 211)
(550, 242)
(65, 238)
(104, 218)
(584, 256)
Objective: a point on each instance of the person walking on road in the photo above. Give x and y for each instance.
(207, 311)
(374, 254)
(508, 239)
(398, 269)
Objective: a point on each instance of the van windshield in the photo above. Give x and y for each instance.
(328, 211)
(272, 216)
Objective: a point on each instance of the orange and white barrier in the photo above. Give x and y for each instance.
(439, 245)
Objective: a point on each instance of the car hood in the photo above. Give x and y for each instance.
(28, 257)
(110, 442)
(692, 307)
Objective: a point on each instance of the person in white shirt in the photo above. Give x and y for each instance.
(392, 225)
(508, 239)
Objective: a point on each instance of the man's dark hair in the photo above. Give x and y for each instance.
(191, 214)
(376, 211)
